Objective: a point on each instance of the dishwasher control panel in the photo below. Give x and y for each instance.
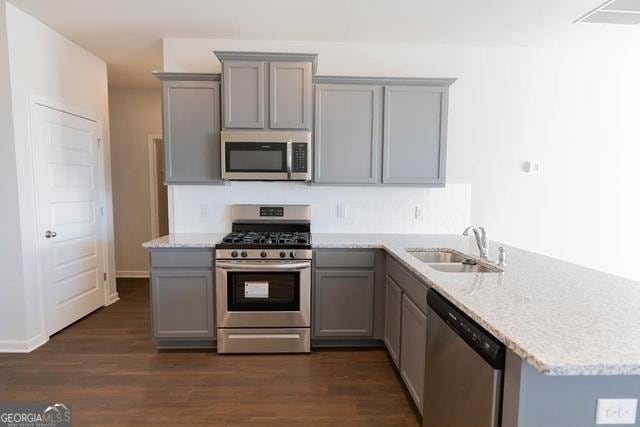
(487, 346)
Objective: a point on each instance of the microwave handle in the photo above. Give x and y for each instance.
(289, 157)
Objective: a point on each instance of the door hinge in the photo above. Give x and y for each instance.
(99, 142)
(104, 275)
(101, 211)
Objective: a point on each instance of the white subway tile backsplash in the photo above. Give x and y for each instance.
(367, 209)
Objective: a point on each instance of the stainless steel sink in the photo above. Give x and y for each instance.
(436, 256)
(462, 268)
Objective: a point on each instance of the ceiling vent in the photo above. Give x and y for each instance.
(620, 12)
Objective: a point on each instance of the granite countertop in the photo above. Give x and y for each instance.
(561, 318)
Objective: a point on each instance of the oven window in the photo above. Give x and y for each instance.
(268, 291)
(255, 157)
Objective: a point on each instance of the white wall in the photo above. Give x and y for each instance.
(573, 106)
(12, 314)
(43, 63)
(134, 115)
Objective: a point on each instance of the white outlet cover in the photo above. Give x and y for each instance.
(616, 411)
(534, 167)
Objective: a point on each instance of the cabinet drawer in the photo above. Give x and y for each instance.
(409, 284)
(181, 258)
(345, 259)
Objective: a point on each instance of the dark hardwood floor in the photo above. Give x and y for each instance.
(107, 367)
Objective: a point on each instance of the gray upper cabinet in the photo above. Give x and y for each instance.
(343, 303)
(262, 90)
(413, 343)
(243, 102)
(414, 141)
(347, 133)
(290, 95)
(183, 304)
(191, 128)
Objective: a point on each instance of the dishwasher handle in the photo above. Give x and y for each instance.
(481, 341)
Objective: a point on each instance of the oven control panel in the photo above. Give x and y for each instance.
(271, 211)
(299, 157)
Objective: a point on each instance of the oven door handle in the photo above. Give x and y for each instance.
(265, 267)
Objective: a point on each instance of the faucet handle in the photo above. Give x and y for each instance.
(502, 256)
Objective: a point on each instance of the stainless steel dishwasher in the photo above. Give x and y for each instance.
(464, 369)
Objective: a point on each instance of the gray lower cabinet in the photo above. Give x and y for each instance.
(413, 349)
(392, 319)
(191, 128)
(183, 304)
(290, 95)
(414, 137)
(347, 133)
(344, 303)
(244, 92)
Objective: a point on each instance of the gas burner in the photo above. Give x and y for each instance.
(266, 239)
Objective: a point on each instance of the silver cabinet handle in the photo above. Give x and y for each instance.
(49, 234)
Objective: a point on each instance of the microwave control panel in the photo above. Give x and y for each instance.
(299, 157)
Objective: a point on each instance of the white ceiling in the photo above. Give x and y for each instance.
(128, 34)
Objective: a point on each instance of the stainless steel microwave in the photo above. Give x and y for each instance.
(266, 155)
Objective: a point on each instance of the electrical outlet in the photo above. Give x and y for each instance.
(534, 168)
(204, 210)
(616, 411)
(418, 213)
(341, 211)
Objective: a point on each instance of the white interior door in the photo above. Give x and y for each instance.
(69, 215)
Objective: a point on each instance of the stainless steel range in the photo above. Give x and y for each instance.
(263, 280)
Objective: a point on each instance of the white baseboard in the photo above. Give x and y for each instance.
(25, 346)
(114, 297)
(132, 273)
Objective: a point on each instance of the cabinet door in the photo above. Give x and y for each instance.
(243, 94)
(347, 134)
(182, 304)
(290, 95)
(343, 303)
(414, 138)
(191, 120)
(413, 342)
(392, 319)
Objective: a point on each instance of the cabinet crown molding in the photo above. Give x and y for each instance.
(268, 56)
(405, 81)
(169, 76)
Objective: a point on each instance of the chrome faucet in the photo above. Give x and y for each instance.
(481, 240)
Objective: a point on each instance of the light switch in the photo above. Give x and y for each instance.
(616, 411)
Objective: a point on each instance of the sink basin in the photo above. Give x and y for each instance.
(462, 268)
(436, 256)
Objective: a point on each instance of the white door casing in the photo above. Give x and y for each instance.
(68, 191)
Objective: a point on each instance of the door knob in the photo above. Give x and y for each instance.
(49, 234)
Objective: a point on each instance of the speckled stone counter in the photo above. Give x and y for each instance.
(561, 318)
(185, 240)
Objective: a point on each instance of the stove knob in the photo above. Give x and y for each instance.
(243, 254)
(283, 254)
(263, 254)
(292, 254)
(234, 254)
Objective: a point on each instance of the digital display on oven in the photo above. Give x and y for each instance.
(271, 211)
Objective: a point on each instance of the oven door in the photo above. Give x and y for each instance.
(257, 294)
